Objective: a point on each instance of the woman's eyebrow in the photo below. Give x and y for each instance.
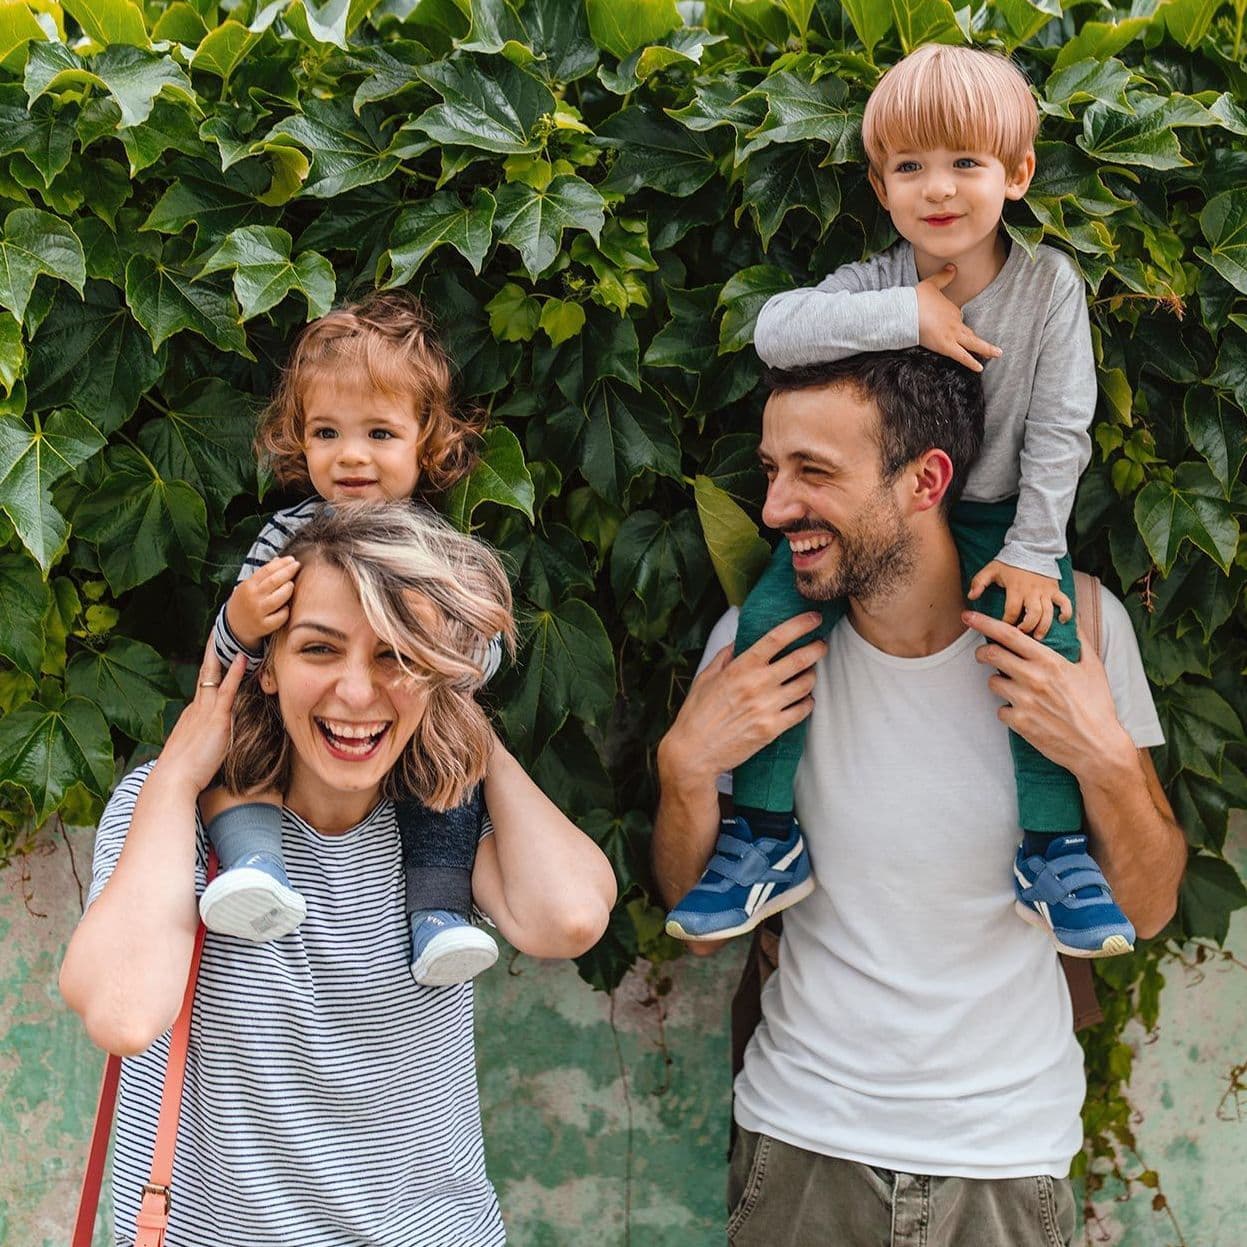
(319, 627)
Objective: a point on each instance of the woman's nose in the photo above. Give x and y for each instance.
(356, 686)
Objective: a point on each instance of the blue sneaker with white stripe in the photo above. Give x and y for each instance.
(1066, 894)
(746, 881)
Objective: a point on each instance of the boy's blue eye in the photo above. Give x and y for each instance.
(965, 162)
(907, 166)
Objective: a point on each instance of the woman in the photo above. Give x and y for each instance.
(328, 1098)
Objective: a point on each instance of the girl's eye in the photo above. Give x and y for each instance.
(381, 435)
(324, 434)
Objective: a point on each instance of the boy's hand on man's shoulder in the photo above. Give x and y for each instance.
(1031, 600)
(941, 327)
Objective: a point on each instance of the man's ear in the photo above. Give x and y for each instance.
(932, 475)
(1020, 179)
(881, 191)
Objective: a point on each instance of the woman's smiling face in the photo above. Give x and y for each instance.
(347, 705)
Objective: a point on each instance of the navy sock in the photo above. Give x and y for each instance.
(1035, 843)
(766, 824)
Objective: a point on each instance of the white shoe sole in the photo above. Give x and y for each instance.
(1113, 946)
(455, 956)
(777, 903)
(251, 905)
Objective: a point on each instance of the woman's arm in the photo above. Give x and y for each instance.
(125, 970)
(543, 881)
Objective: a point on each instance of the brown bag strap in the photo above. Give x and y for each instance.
(153, 1215)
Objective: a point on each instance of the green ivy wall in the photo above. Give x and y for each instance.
(594, 198)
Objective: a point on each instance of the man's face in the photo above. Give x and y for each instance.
(826, 494)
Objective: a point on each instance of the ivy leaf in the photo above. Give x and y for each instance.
(1211, 891)
(213, 205)
(1187, 21)
(484, 364)
(683, 48)
(222, 50)
(40, 133)
(12, 354)
(621, 435)
(264, 273)
(347, 151)
(803, 112)
(31, 461)
(24, 601)
(129, 682)
(1191, 508)
(1197, 722)
(619, 26)
(1203, 806)
(500, 476)
(782, 179)
(604, 966)
(133, 76)
(926, 21)
(743, 296)
(489, 105)
(1088, 81)
(1218, 430)
(606, 347)
(110, 21)
(205, 439)
(550, 564)
(656, 563)
(871, 19)
(165, 301)
(1100, 40)
(46, 751)
(533, 220)
(442, 218)
(559, 36)
(34, 243)
(566, 668)
(652, 150)
(92, 356)
(1144, 138)
(142, 523)
(18, 26)
(737, 551)
(1224, 224)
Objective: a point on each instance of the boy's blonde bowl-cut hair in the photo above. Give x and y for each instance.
(388, 339)
(437, 598)
(952, 97)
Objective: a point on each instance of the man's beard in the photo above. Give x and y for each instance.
(874, 557)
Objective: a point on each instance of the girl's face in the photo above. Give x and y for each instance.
(348, 708)
(359, 444)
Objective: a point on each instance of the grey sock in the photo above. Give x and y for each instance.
(245, 829)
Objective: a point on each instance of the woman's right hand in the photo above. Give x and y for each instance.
(197, 745)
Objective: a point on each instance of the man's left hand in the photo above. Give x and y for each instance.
(1064, 709)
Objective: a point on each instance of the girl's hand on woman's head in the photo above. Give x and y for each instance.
(197, 745)
(260, 604)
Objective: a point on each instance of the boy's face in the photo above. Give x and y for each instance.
(947, 202)
(360, 445)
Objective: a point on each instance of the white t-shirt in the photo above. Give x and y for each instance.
(328, 1098)
(917, 1023)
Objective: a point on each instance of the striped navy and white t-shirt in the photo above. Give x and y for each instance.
(266, 547)
(329, 1100)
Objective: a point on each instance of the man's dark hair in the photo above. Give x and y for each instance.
(925, 401)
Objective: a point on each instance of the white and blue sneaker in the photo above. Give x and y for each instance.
(447, 949)
(253, 900)
(1066, 894)
(746, 881)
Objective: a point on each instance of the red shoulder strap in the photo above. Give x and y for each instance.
(153, 1216)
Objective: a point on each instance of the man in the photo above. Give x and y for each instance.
(915, 1078)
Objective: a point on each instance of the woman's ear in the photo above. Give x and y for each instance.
(267, 681)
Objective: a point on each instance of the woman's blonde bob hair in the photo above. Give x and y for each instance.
(438, 599)
(964, 99)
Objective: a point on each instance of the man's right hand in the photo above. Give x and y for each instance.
(260, 604)
(738, 705)
(941, 327)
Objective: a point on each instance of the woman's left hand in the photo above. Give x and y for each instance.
(196, 747)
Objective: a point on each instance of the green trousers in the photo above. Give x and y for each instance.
(1048, 795)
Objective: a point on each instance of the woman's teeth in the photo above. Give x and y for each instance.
(356, 738)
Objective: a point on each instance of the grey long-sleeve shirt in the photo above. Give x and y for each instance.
(1040, 393)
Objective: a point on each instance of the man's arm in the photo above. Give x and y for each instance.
(734, 708)
(1066, 711)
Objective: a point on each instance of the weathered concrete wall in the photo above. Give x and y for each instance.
(605, 1124)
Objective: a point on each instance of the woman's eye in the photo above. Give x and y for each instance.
(317, 647)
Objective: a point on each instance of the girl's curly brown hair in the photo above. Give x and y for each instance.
(389, 337)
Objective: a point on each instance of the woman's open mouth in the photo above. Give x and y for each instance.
(355, 741)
